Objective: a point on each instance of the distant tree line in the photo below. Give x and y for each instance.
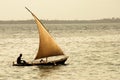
(106, 20)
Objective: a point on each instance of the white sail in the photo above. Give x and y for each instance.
(47, 45)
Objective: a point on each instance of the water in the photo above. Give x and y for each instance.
(93, 50)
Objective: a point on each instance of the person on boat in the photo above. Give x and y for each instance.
(20, 61)
(42, 61)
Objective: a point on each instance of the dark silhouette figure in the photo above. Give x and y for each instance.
(20, 61)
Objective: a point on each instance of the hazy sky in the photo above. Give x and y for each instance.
(59, 9)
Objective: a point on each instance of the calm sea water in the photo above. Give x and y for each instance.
(93, 50)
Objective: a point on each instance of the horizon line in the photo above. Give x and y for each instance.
(113, 18)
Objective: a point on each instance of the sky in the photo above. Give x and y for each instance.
(59, 9)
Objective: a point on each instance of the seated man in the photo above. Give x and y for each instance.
(42, 61)
(19, 61)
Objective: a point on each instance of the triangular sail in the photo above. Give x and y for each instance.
(47, 45)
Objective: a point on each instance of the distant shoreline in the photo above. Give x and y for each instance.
(113, 20)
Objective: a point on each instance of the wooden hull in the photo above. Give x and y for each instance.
(56, 62)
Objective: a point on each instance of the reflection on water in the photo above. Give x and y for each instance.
(93, 50)
(47, 71)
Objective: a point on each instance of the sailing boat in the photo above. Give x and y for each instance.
(47, 47)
